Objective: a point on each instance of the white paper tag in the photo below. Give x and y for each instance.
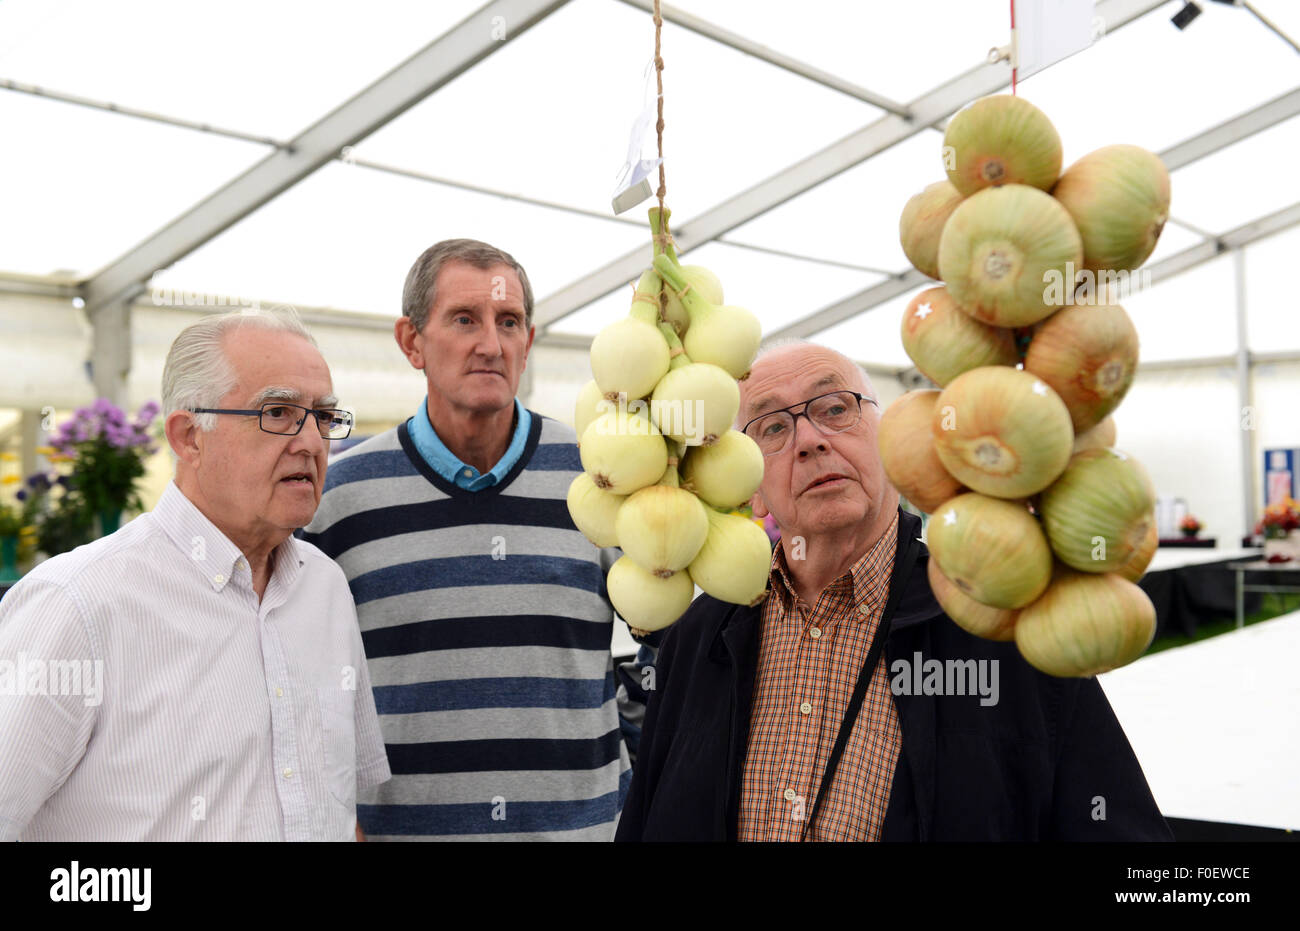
(1048, 31)
(633, 185)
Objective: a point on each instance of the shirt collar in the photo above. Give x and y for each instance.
(443, 461)
(868, 578)
(212, 553)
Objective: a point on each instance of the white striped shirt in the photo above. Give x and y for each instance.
(146, 694)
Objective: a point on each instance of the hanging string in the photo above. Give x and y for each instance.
(659, 134)
(1014, 46)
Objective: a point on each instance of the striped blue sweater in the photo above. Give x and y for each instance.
(487, 630)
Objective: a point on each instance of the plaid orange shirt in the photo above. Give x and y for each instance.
(808, 663)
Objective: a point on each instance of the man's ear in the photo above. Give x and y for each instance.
(759, 508)
(408, 340)
(183, 436)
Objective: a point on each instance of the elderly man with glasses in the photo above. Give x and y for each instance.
(816, 715)
(212, 683)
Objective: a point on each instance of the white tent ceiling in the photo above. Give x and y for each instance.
(542, 118)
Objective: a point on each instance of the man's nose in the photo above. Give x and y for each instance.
(806, 435)
(308, 438)
(489, 343)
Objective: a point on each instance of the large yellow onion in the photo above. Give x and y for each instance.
(921, 225)
(734, 563)
(1009, 255)
(1136, 565)
(662, 528)
(1002, 432)
(966, 612)
(1099, 437)
(643, 599)
(1118, 197)
(721, 335)
(1098, 513)
(591, 404)
(593, 510)
(1089, 355)
(727, 474)
(629, 356)
(907, 451)
(944, 341)
(1001, 140)
(695, 403)
(1086, 624)
(622, 452)
(992, 550)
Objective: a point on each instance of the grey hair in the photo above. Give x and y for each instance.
(419, 294)
(197, 372)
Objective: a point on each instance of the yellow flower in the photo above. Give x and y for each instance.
(10, 480)
(45, 451)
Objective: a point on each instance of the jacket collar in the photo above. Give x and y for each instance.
(736, 629)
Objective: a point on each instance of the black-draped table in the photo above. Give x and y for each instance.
(1188, 588)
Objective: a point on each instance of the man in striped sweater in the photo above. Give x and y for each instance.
(482, 608)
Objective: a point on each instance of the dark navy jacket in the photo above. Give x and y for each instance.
(1048, 761)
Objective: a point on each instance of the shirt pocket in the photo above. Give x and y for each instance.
(338, 733)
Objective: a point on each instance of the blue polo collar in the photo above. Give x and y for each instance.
(443, 461)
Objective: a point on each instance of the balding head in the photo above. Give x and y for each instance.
(792, 355)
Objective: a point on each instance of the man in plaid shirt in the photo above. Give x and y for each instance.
(750, 701)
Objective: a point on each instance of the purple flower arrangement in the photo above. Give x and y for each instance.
(107, 451)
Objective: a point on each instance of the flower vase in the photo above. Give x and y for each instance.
(109, 520)
(9, 558)
(1190, 534)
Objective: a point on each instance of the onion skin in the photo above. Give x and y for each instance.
(1001, 139)
(1098, 513)
(623, 452)
(921, 225)
(1002, 432)
(727, 474)
(1085, 624)
(967, 613)
(593, 510)
(628, 357)
(1118, 197)
(908, 455)
(695, 389)
(1099, 437)
(735, 561)
(1089, 355)
(661, 528)
(724, 336)
(704, 283)
(1002, 248)
(992, 550)
(644, 600)
(1136, 565)
(944, 341)
(591, 404)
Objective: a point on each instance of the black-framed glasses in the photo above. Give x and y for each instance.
(287, 419)
(830, 413)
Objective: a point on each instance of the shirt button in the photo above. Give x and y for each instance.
(288, 773)
(240, 564)
(806, 708)
(279, 693)
(790, 795)
(218, 579)
(815, 633)
(467, 473)
(864, 609)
